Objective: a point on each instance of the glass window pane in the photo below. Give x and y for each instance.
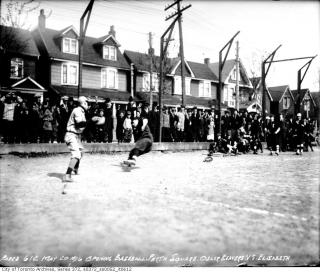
(73, 74)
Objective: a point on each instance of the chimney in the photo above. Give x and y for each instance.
(207, 61)
(112, 31)
(42, 20)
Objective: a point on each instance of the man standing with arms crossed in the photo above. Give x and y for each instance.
(75, 126)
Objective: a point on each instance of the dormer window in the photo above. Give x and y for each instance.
(109, 52)
(69, 46)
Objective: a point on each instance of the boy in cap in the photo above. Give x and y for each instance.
(75, 126)
(144, 141)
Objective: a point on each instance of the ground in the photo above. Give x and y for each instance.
(172, 210)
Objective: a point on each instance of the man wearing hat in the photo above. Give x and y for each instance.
(298, 134)
(109, 121)
(75, 126)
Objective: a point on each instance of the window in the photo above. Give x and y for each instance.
(16, 69)
(109, 52)
(234, 74)
(188, 86)
(69, 74)
(146, 82)
(205, 89)
(306, 105)
(178, 87)
(286, 103)
(70, 46)
(109, 78)
(155, 82)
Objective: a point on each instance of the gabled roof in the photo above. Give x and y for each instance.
(141, 60)
(27, 83)
(227, 69)
(316, 97)
(177, 69)
(202, 71)
(304, 92)
(197, 70)
(17, 40)
(107, 37)
(66, 30)
(277, 92)
(48, 42)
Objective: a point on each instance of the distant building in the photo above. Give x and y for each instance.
(282, 101)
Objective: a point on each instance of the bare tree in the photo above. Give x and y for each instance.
(13, 16)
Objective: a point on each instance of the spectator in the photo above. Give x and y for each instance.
(127, 126)
(166, 125)
(99, 121)
(9, 104)
(35, 119)
(64, 114)
(180, 124)
(108, 128)
(131, 106)
(195, 125)
(47, 129)
(225, 124)
(119, 128)
(173, 124)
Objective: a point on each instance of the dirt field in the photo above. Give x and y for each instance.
(172, 210)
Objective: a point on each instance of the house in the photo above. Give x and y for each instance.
(282, 101)
(307, 104)
(228, 78)
(105, 71)
(200, 82)
(316, 97)
(19, 59)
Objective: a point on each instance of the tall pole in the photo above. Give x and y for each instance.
(264, 73)
(300, 79)
(162, 54)
(163, 51)
(183, 83)
(150, 67)
(84, 21)
(219, 90)
(221, 65)
(237, 77)
(297, 108)
(263, 84)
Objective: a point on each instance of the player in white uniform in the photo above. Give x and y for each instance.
(75, 126)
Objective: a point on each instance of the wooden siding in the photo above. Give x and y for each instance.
(91, 77)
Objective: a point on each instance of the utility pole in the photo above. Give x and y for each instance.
(84, 21)
(164, 43)
(237, 77)
(151, 53)
(181, 51)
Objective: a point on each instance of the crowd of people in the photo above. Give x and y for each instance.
(36, 121)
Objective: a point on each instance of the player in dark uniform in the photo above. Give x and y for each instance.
(298, 134)
(144, 141)
(273, 128)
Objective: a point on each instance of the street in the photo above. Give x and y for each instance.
(172, 210)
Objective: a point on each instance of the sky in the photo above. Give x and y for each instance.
(207, 26)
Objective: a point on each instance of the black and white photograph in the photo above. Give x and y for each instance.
(169, 134)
